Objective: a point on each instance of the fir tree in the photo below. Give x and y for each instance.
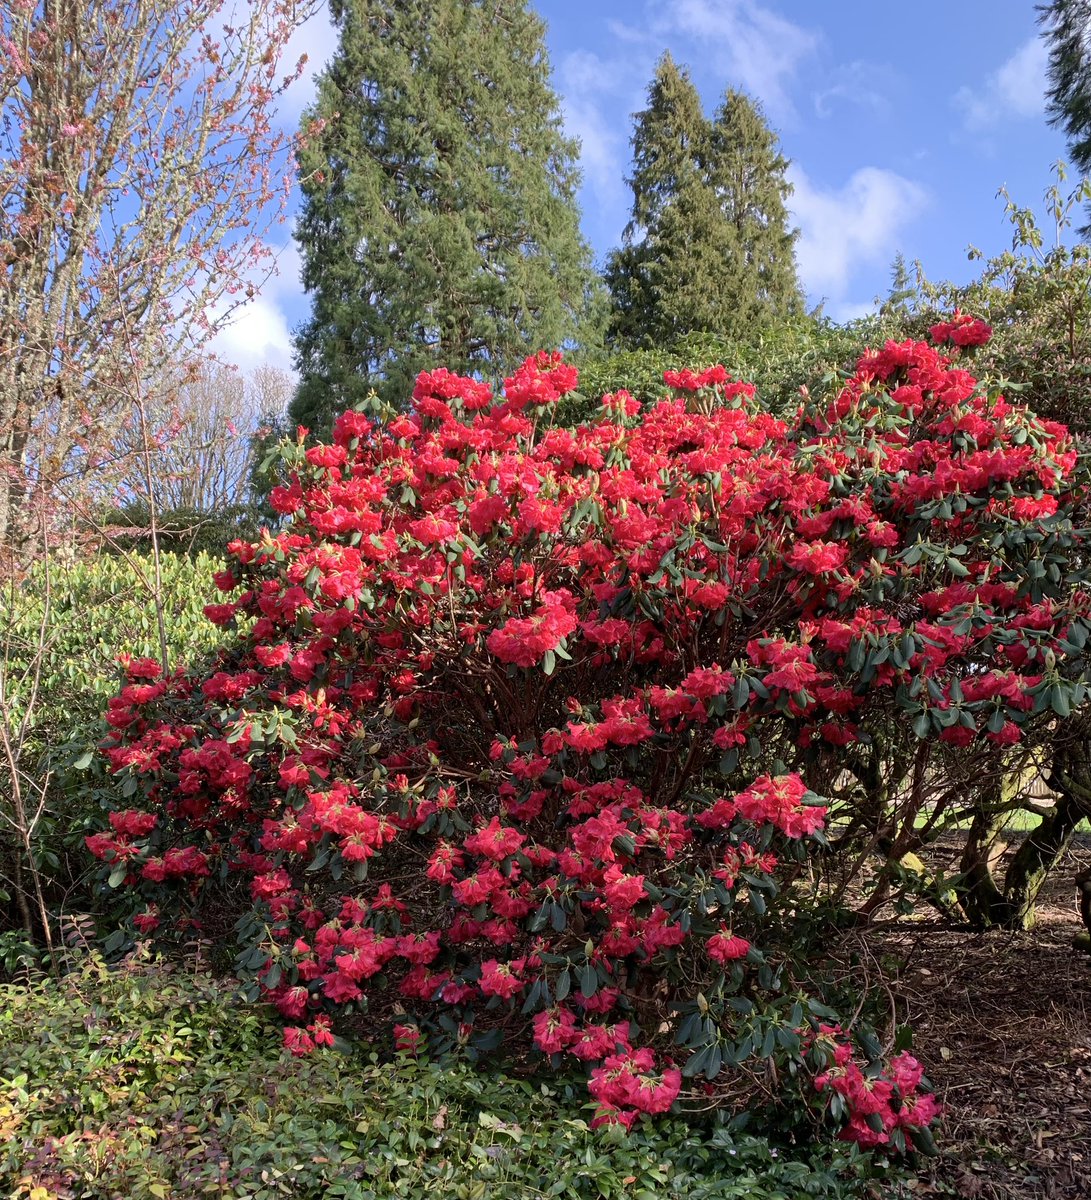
(439, 222)
(708, 248)
(902, 300)
(748, 175)
(1066, 26)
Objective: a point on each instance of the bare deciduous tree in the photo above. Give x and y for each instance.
(203, 419)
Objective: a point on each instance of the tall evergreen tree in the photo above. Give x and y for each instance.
(1066, 28)
(439, 222)
(748, 174)
(708, 247)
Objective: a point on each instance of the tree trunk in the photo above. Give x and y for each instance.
(979, 896)
(988, 904)
(1033, 861)
(1083, 891)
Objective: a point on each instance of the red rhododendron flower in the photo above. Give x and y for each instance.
(133, 824)
(407, 1039)
(725, 948)
(554, 1029)
(524, 642)
(498, 979)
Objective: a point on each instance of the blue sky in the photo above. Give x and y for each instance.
(900, 121)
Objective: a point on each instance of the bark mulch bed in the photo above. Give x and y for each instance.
(1002, 1022)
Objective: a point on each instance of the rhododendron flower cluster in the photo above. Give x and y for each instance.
(882, 1109)
(962, 330)
(492, 747)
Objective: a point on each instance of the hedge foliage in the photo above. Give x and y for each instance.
(64, 627)
(807, 352)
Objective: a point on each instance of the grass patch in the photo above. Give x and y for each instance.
(1019, 820)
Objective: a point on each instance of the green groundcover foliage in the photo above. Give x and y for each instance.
(149, 1081)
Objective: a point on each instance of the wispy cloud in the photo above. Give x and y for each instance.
(593, 92)
(1014, 89)
(850, 227)
(744, 42)
(856, 84)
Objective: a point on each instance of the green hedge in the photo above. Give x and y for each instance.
(778, 361)
(95, 609)
(149, 1082)
(64, 626)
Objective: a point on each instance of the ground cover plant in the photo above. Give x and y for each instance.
(504, 744)
(150, 1080)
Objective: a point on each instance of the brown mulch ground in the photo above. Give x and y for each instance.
(1002, 1022)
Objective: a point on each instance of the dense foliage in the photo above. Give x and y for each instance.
(439, 221)
(787, 363)
(708, 248)
(502, 695)
(179, 531)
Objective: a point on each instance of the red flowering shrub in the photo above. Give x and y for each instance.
(489, 749)
(881, 1110)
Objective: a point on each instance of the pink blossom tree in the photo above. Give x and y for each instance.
(140, 169)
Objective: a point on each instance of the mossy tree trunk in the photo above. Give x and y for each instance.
(980, 896)
(988, 903)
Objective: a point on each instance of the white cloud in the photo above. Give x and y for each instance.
(743, 41)
(591, 90)
(1015, 89)
(856, 225)
(843, 311)
(856, 85)
(257, 332)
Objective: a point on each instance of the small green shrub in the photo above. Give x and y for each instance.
(183, 531)
(145, 1081)
(84, 613)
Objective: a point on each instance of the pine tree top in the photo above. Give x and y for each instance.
(708, 246)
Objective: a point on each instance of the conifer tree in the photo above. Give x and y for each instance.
(439, 222)
(708, 248)
(748, 174)
(1066, 28)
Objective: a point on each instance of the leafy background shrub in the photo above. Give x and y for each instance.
(67, 621)
(1036, 296)
(807, 352)
(179, 531)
